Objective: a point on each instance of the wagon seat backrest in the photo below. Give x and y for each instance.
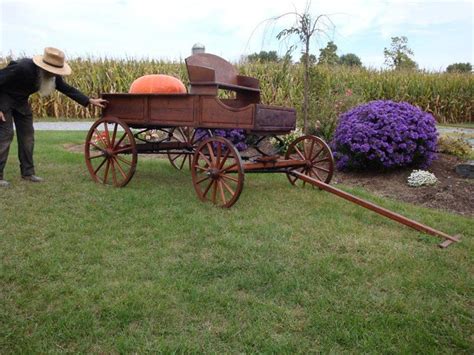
(208, 73)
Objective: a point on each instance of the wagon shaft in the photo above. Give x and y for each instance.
(380, 210)
(271, 165)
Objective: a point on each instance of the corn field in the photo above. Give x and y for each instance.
(449, 97)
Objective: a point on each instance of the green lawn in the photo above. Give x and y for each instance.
(88, 268)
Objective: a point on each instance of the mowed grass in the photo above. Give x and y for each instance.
(88, 268)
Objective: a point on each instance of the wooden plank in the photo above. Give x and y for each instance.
(274, 118)
(215, 114)
(171, 110)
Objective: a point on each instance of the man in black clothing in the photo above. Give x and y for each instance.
(18, 80)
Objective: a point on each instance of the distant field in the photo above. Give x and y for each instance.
(150, 268)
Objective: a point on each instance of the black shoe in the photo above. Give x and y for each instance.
(4, 183)
(32, 178)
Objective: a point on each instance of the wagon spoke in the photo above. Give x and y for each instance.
(227, 168)
(317, 154)
(120, 168)
(317, 174)
(299, 153)
(182, 163)
(221, 190)
(203, 179)
(100, 166)
(96, 146)
(321, 160)
(107, 137)
(114, 173)
(228, 188)
(202, 168)
(193, 136)
(311, 149)
(207, 188)
(120, 140)
(214, 192)
(323, 169)
(224, 160)
(205, 158)
(183, 136)
(225, 176)
(106, 173)
(211, 152)
(114, 135)
(123, 150)
(96, 156)
(99, 135)
(219, 154)
(175, 157)
(122, 159)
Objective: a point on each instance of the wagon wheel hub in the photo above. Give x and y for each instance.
(214, 173)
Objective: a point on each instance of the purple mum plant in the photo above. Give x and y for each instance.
(384, 134)
(236, 136)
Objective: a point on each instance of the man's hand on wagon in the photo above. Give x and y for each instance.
(98, 102)
(2, 117)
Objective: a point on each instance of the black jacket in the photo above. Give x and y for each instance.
(19, 79)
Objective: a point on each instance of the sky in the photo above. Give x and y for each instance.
(439, 32)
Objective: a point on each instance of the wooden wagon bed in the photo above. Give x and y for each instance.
(195, 110)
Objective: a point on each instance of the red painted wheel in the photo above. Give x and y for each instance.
(183, 135)
(110, 152)
(320, 162)
(217, 172)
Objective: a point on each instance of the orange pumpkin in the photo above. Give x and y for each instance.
(157, 84)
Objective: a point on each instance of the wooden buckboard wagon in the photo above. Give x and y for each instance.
(186, 123)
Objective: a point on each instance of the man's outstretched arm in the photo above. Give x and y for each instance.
(76, 95)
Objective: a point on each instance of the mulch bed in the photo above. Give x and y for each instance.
(452, 193)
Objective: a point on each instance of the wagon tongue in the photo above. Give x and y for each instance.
(448, 240)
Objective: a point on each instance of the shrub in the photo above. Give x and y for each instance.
(454, 146)
(383, 135)
(327, 108)
(283, 142)
(236, 136)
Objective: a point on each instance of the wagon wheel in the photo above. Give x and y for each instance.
(183, 135)
(320, 162)
(217, 172)
(110, 152)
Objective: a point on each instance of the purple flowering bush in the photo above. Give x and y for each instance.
(236, 136)
(384, 134)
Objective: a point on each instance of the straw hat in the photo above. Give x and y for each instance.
(53, 61)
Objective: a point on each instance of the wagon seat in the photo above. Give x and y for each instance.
(208, 73)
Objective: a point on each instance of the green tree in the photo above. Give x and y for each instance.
(459, 68)
(398, 55)
(328, 54)
(312, 59)
(350, 59)
(305, 28)
(264, 56)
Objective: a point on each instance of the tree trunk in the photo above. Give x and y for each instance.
(306, 87)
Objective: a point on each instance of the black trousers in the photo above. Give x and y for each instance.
(25, 136)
